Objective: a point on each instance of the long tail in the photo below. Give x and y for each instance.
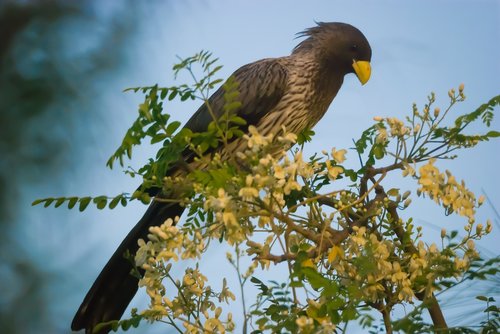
(115, 287)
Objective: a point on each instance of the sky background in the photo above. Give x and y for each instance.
(92, 51)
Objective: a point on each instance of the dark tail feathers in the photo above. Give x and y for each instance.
(115, 287)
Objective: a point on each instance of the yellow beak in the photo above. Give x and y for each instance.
(363, 70)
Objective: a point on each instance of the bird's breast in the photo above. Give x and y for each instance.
(302, 105)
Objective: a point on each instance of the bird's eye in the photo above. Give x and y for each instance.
(354, 48)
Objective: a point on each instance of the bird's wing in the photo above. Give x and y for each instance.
(261, 86)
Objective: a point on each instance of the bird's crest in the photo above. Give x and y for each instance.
(319, 32)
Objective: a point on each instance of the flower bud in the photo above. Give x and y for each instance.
(218, 311)
(479, 229)
(451, 93)
(436, 112)
(488, 226)
(416, 129)
(377, 118)
(443, 233)
(461, 88)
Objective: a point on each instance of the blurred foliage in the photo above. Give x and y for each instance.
(51, 52)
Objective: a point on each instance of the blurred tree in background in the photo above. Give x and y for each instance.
(53, 56)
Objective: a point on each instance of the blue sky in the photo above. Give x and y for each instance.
(418, 47)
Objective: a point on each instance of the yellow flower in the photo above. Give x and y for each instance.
(291, 185)
(304, 322)
(335, 252)
(333, 171)
(382, 135)
(338, 156)
(279, 172)
(308, 263)
(248, 193)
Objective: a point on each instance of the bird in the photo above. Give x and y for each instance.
(294, 91)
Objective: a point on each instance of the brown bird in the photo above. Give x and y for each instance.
(294, 91)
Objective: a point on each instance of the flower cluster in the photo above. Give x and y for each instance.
(368, 262)
(167, 244)
(396, 127)
(266, 203)
(445, 190)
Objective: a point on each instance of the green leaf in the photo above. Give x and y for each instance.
(316, 280)
(84, 202)
(48, 201)
(38, 201)
(101, 203)
(145, 198)
(305, 136)
(172, 95)
(158, 138)
(351, 174)
(72, 201)
(60, 201)
(163, 93)
(259, 284)
(491, 308)
(114, 202)
(238, 120)
(172, 127)
(349, 314)
(232, 106)
(378, 151)
(493, 134)
(215, 70)
(185, 96)
(212, 84)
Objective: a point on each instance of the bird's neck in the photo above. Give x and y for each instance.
(324, 80)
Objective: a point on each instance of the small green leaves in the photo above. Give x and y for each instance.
(115, 325)
(114, 202)
(485, 299)
(72, 202)
(305, 136)
(100, 202)
(485, 112)
(367, 137)
(378, 151)
(171, 128)
(84, 202)
(154, 124)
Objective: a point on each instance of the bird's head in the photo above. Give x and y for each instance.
(340, 47)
